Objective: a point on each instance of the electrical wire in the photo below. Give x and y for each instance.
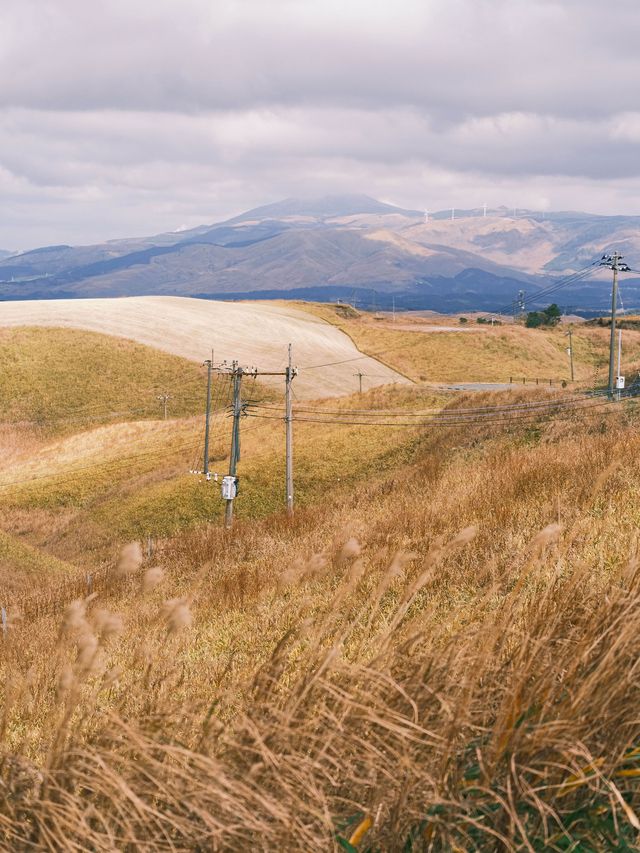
(536, 404)
(557, 285)
(525, 416)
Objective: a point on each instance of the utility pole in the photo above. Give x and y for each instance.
(569, 334)
(619, 362)
(164, 399)
(205, 468)
(235, 441)
(614, 263)
(230, 482)
(360, 375)
(290, 374)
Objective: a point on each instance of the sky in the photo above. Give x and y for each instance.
(133, 117)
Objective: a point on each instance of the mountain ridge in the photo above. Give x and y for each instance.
(331, 246)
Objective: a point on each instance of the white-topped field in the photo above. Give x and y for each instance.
(254, 333)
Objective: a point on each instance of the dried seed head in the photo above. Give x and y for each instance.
(87, 653)
(74, 616)
(464, 536)
(315, 566)
(350, 549)
(112, 678)
(356, 570)
(396, 567)
(130, 559)
(550, 533)
(65, 681)
(152, 578)
(288, 578)
(292, 575)
(107, 624)
(177, 614)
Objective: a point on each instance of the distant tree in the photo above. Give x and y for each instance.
(535, 319)
(553, 313)
(481, 320)
(463, 320)
(549, 317)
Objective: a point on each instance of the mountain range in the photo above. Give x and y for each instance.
(349, 247)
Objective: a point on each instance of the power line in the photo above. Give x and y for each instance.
(452, 420)
(536, 404)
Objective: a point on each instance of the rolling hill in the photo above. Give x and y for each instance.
(349, 247)
(254, 334)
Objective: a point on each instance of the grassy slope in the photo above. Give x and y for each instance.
(509, 629)
(128, 480)
(503, 630)
(64, 379)
(484, 354)
(23, 568)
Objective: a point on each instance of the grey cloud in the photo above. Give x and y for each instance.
(447, 57)
(133, 117)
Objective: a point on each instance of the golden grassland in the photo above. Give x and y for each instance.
(443, 657)
(61, 380)
(438, 652)
(481, 353)
(81, 494)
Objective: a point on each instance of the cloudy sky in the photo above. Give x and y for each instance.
(130, 117)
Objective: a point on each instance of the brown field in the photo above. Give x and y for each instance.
(438, 652)
(483, 353)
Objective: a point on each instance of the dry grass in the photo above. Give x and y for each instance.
(442, 658)
(482, 353)
(58, 381)
(253, 333)
(97, 488)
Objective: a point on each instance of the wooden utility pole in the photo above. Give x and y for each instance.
(613, 262)
(235, 437)
(359, 374)
(205, 468)
(614, 308)
(229, 483)
(570, 336)
(164, 399)
(289, 376)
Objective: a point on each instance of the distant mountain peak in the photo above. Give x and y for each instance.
(325, 207)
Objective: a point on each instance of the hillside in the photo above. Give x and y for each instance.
(349, 247)
(450, 613)
(254, 334)
(387, 667)
(57, 381)
(441, 350)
